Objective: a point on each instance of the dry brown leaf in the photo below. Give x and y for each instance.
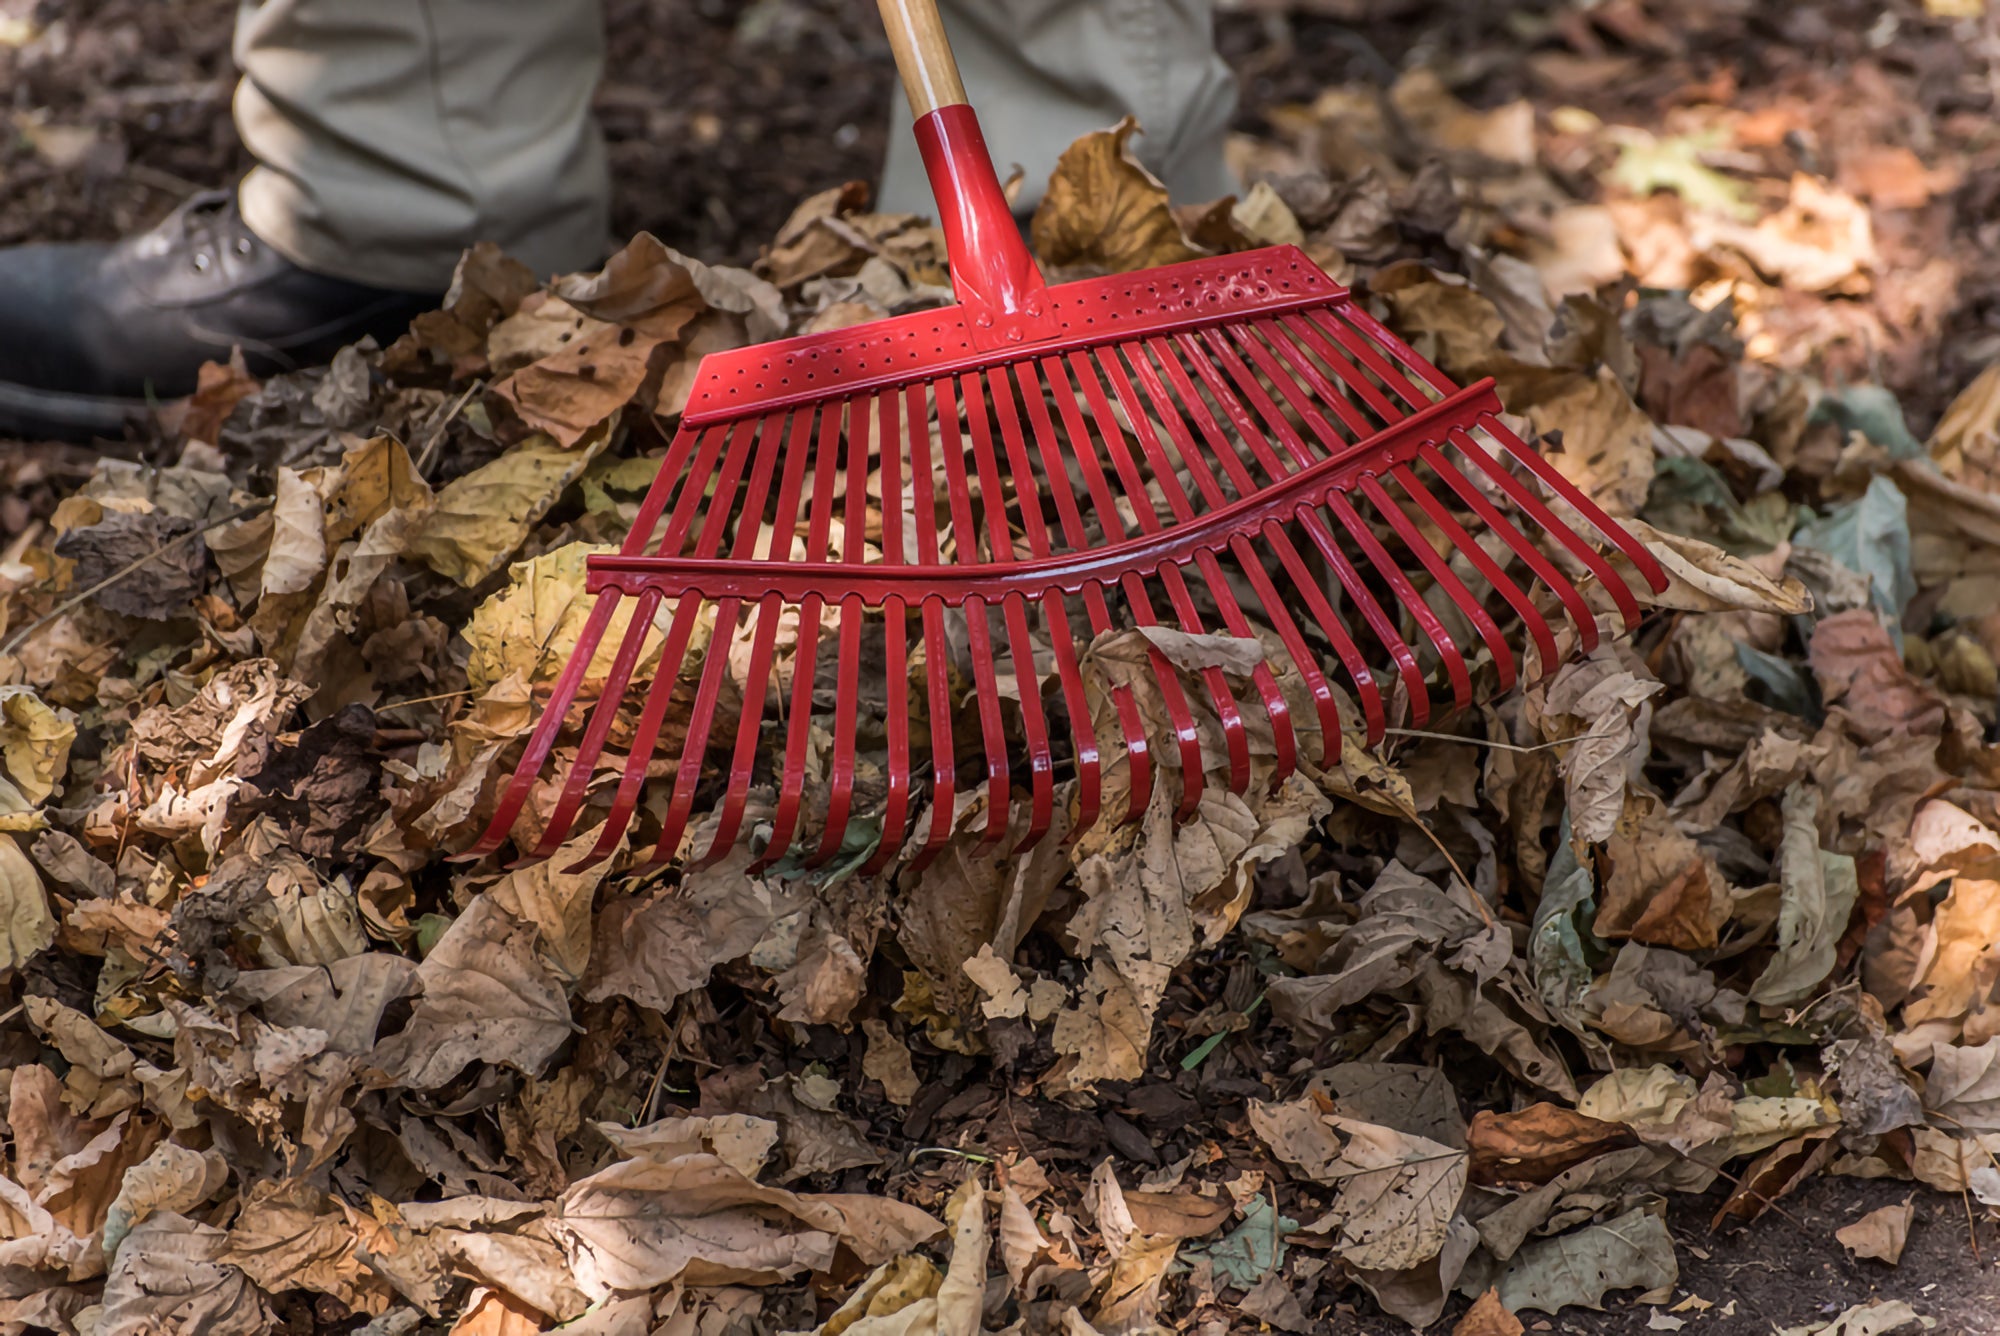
(1632, 1251)
(1607, 439)
(742, 1142)
(653, 951)
(35, 740)
(172, 1178)
(169, 1280)
(1704, 578)
(297, 553)
(487, 997)
(1881, 1233)
(291, 1236)
(1859, 668)
(1609, 702)
(1105, 213)
(1774, 1175)
(1397, 1193)
(1957, 977)
(1966, 444)
(559, 904)
(1820, 888)
(1658, 886)
(639, 306)
(1893, 177)
(646, 1222)
(27, 925)
(888, 1061)
(1964, 1085)
(1822, 240)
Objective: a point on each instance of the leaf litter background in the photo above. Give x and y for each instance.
(1713, 911)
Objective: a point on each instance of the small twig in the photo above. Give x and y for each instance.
(422, 700)
(437, 432)
(1471, 891)
(947, 1150)
(20, 637)
(12, 1012)
(659, 1083)
(1496, 746)
(1965, 1199)
(1727, 1177)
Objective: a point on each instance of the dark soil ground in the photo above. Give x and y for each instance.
(1787, 1270)
(722, 114)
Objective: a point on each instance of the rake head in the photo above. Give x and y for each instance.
(1216, 447)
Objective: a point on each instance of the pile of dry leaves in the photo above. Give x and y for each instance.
(1717, 904)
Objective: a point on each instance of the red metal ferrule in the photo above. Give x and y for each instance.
(997, 280)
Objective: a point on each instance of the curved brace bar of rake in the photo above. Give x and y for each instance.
(1071, 573)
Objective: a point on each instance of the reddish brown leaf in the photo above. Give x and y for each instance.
(1488, 1317)
(1775, 1174)
(1536, 1144)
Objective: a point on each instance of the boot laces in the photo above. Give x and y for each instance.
(210, 225)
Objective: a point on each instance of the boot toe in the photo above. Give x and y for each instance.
(46, 333)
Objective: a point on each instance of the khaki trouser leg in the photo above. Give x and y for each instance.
(392, 134)
(1044, 72)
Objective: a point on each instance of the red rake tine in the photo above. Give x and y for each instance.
(1336, 502)
(1275, 707)
(1014, 615)
(965, 535)
(763, 644)
(937, 672)
(1138, 748)
(847, 690)
(1323, 541)
(700, 721)
(687, 611)
(1235, 737)
(1547, 474)
(1336, 441)
(1273, 604)
(819, 532)
(1455, 534)
(1420, 547)
(1055, 612)
(1178, 714)
(890, 408)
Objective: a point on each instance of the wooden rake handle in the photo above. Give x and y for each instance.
(923, 55)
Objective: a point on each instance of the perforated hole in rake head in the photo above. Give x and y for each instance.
(1223, 447)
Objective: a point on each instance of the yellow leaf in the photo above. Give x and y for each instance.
(34, 742)
(1106, 212)
(26, 925)
(377, 477)
(481, 518)
(531, 627)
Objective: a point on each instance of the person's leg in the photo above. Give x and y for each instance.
(1044, 72)
(392, 134)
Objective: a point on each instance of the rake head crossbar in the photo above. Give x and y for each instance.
(1215, 446)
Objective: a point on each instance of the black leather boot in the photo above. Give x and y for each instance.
(91, 334)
